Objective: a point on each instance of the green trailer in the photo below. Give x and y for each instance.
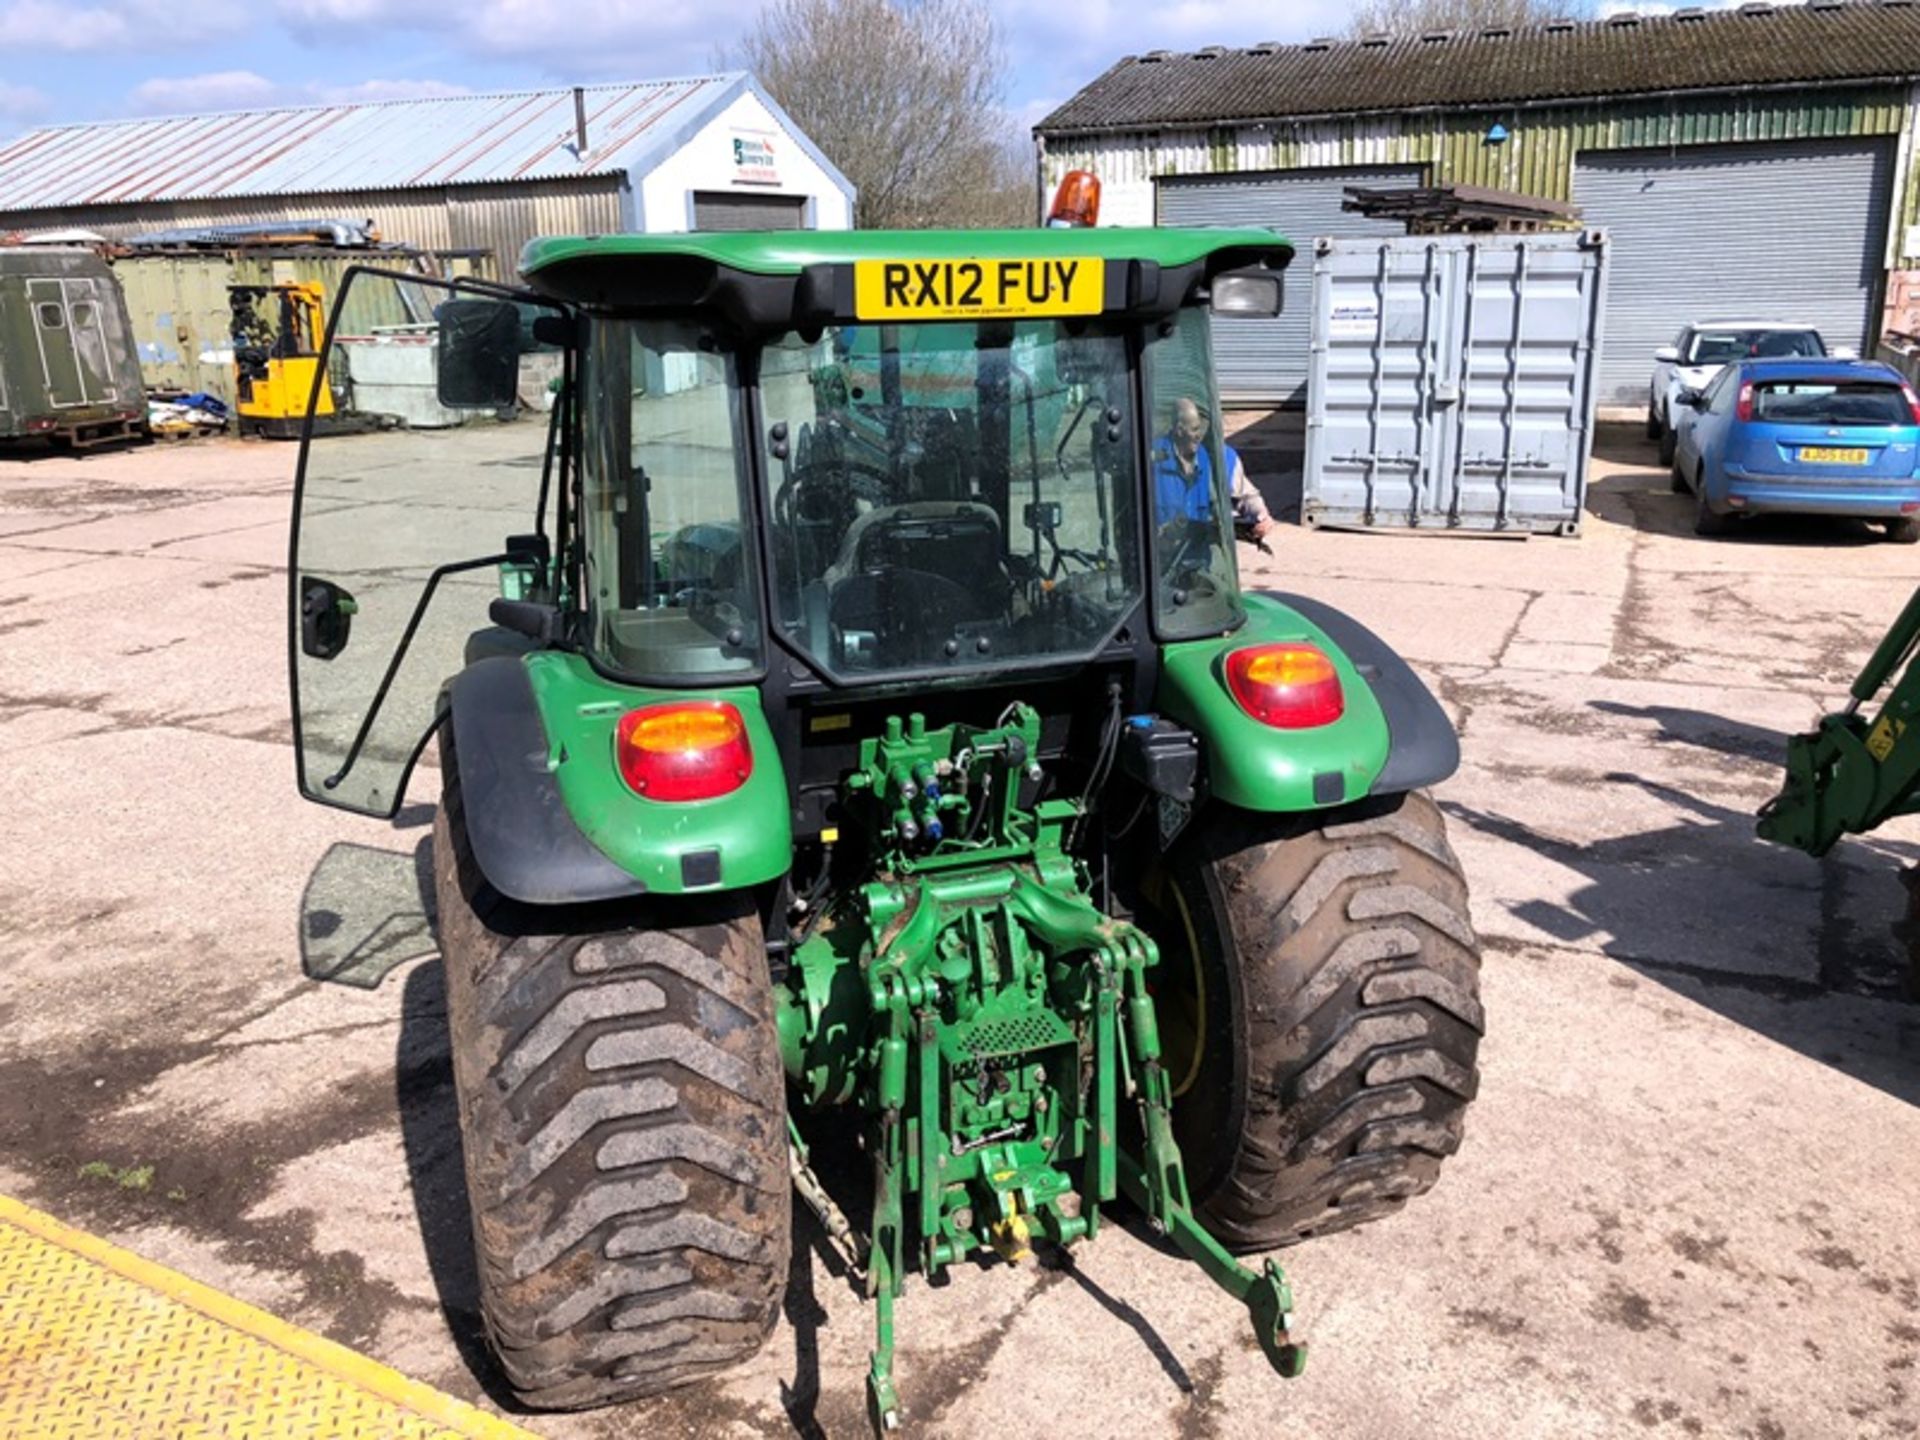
(67, 366)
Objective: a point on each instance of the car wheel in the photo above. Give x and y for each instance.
(1905, 530)
(1677, 476)
(1654, 427)
(1669, 446)
(1706, 520)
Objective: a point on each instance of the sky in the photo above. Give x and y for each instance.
(71, 60)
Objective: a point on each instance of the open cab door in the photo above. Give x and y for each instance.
(426, 498)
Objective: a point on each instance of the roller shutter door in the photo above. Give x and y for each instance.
(1791, 231)
(1265, 361)
(719, 210)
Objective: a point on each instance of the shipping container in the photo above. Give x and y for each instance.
(1452, 381)
(67, 368)
(183, 318)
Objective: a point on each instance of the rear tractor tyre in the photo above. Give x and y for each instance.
(1320, 994)
(622, 1109)
(1905, 530)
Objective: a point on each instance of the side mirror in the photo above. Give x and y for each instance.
(478, 364)
(326, 618)
(1694, 399)
(1247, 294)
(1667, 355)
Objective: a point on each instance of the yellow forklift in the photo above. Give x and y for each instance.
(278, 332)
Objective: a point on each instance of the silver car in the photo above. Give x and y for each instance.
(1702, 348)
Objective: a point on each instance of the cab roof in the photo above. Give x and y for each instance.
(788, 252)
(767, 282)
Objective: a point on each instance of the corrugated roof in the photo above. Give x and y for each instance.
(337, 149)
(1758, 44)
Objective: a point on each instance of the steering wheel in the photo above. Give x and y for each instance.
(824, 492)
(911, 613)
(1184, 544)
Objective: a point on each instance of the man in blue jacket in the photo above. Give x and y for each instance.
(1183, 474)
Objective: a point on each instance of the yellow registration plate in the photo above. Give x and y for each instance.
(977, 289)
(1828, 455)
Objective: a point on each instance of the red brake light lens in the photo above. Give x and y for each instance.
(1743, 407)
(1913, 402)
(684, 750)
(1291, 687)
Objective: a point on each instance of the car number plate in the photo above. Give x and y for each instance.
(1829, 455)
(977, 289)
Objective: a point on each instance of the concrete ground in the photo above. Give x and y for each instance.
(1686, 1198)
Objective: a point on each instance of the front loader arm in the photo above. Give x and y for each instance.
(1851, 775)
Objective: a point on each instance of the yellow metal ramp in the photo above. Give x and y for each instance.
(96, 1342)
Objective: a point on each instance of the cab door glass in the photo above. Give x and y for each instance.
(1196, 580)
(403, 512)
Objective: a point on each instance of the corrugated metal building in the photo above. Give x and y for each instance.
(459, 173)
(1751, 162)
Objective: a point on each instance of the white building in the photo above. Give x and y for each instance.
(460, 173)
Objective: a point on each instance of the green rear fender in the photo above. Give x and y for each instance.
(1392, 737)
(736, 840)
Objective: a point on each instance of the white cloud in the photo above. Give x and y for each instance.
(245, 90)
(115, 26)
(23, 102)
(218, 90)
(34, 23)
(367, 91)
(619, 40)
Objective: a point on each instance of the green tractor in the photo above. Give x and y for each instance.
(854, 741)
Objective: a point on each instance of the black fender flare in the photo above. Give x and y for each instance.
(1424, 748)
(524, 839)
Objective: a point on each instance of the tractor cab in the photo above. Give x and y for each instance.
(848, 707)
(763, 453)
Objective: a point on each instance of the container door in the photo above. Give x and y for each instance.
(1528, 308)
(59, 365)
(411, 522)
(87, 320)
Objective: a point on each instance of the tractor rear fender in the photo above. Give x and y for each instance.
(552, 822)
(1392, 737)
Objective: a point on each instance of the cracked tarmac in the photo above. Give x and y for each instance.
(1685, 1201)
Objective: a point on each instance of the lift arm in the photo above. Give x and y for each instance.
(1853, 774)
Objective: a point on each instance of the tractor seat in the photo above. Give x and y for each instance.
(957, 540)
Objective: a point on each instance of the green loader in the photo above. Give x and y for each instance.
(863, 778)
(1858, 769)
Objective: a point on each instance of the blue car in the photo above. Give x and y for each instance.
(1801, 437)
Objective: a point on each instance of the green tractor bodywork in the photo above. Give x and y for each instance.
(1856, 771)
(953, 688)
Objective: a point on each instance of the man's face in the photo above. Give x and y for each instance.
(1189, 429)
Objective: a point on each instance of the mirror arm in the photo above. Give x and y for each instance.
(399, 655)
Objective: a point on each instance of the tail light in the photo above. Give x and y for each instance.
(1913, 402)
(1743, 407)
(1291, 687)
(1076, 204)
(684, 750)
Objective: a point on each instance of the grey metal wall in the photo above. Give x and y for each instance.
(1794, 230)
(1453, 381)
(1265, 361)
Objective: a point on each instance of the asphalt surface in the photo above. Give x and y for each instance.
(1685, 1204)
